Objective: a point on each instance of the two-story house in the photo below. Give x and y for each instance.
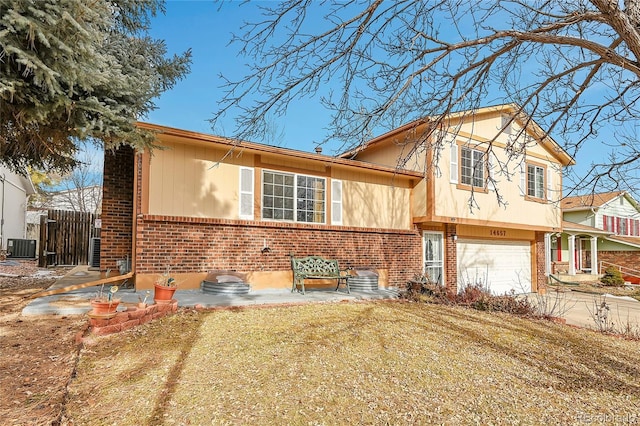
(210, 203)
(599, 230)
(468, 237)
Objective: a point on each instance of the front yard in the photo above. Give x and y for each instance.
(355, 363)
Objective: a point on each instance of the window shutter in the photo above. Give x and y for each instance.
(617, 228)
(605, 225)
(550, 183)
(336, 202)
(246, 193)
(453, 174)
(523, 182)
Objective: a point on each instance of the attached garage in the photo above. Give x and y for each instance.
(500, 265)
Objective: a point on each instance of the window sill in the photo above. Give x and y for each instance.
(481, 189)
(535, 199)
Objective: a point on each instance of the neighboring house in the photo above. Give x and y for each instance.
(599, 230)
(87, 200)
(14, 195)
(210, 203)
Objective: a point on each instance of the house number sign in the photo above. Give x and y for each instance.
(497, 232)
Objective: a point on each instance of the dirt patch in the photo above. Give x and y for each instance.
(38, 353)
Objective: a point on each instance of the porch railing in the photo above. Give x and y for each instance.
(623, 269)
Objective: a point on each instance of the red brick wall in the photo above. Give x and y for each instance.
(627, 259)
(201, 244)
(451, 258)
(117, 207)
(540, 256)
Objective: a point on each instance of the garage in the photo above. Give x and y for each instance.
(500, 265)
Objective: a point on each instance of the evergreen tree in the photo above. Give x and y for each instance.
(72, 70)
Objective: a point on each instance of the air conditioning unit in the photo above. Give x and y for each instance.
(21, 249)
(94, 252)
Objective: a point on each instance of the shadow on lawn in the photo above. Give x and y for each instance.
(579, 359)
(165, 394)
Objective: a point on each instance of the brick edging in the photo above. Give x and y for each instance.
(126, 320)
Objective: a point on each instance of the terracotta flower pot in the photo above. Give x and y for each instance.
(103, 307)
(163, 294)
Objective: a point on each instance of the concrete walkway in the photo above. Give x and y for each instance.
(76, 302)
(580, 308)
(577, 308)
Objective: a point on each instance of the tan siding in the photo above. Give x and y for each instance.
(455, 202)
(188, 181)
(419, 196)
(294, 164)
(391, 154)
(375, 206)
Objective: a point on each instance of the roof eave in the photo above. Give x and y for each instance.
(256, 147)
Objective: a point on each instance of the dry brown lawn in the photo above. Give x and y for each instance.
(355, 363)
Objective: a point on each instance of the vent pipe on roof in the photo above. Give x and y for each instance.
(318, 149)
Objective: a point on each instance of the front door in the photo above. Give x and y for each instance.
(434, 256)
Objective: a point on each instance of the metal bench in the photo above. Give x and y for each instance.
(317, 268)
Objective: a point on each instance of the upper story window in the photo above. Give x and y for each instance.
(621, 225)
(473, 167)
(535, 181)
(292, 197)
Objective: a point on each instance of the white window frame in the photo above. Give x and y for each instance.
(538, 190)
(474, 167)
(295, 196)
(438, 261)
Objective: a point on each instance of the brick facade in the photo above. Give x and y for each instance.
(451, 258)
(201, 244)
(540, 257)
(626, 259)
(117, 207)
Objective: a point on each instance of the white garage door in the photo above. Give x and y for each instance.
(500, 265)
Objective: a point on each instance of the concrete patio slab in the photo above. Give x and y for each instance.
(76, 302)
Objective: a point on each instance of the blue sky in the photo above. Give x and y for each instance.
(201, 26)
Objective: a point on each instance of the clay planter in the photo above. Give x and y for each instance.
(103, 308)
(163, 294)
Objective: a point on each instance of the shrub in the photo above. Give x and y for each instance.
(475, 296)
(612, 277)
(422, 289)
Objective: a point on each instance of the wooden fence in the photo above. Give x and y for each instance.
(65, 237)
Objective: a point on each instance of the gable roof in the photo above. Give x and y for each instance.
(235, 144)
(519, 116)
(590, 201)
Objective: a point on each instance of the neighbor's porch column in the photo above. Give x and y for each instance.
(594, 255)
(572, 254)
(547, 254)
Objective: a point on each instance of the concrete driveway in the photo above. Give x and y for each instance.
(580, 309)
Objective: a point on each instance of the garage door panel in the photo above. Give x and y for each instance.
(502, 266)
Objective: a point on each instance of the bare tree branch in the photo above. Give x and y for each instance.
(572, 66)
